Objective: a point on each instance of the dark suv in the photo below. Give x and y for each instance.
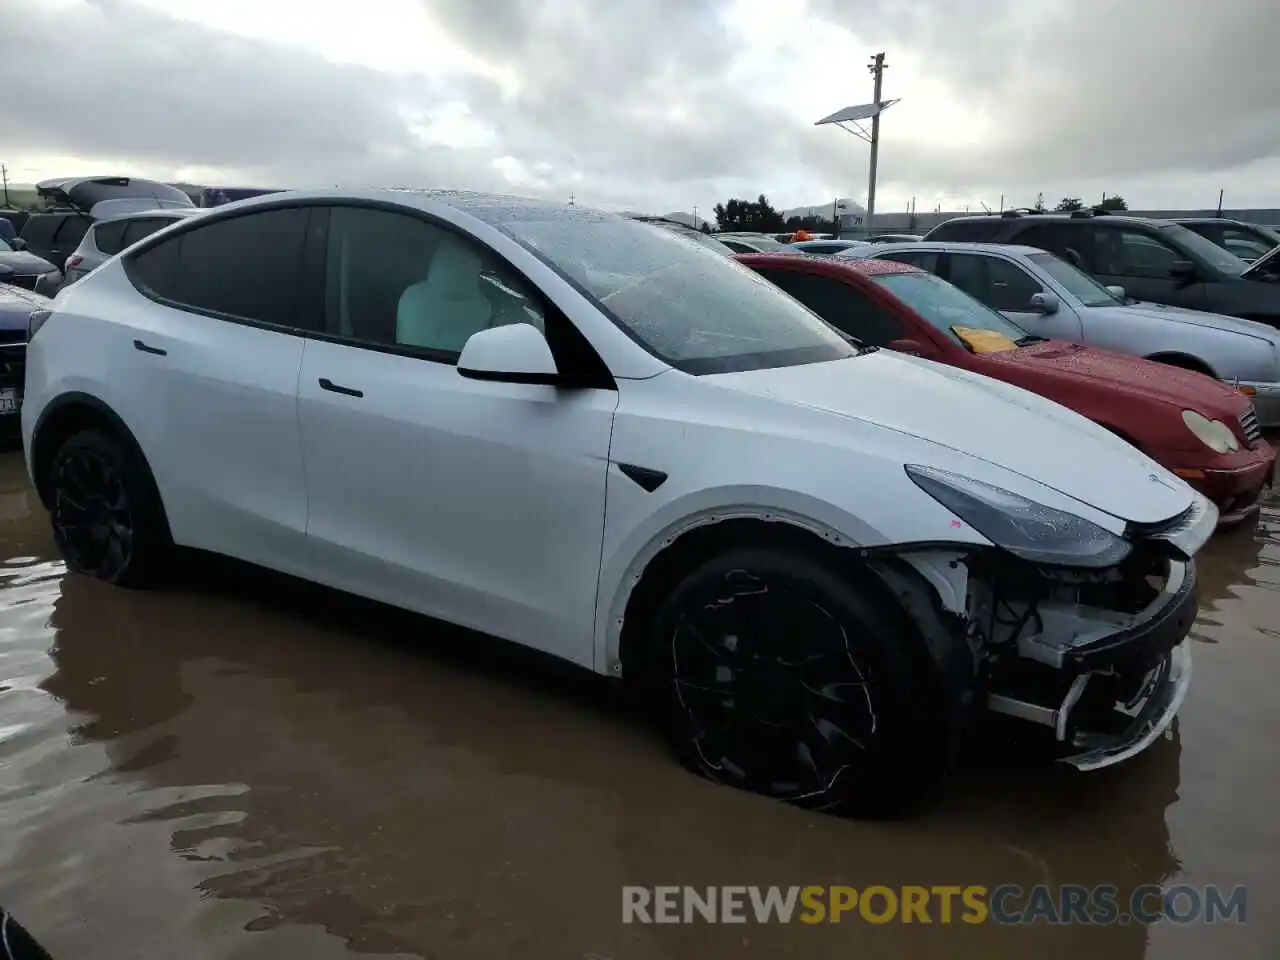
(1154, 260)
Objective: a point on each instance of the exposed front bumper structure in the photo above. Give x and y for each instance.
(1106, 684)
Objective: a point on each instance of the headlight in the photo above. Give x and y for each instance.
(1025, 528)
(1214, 434)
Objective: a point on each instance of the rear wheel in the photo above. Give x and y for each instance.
(776, 674)
(107, 520)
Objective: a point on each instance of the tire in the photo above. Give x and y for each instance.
(832, 711)
(106, 515)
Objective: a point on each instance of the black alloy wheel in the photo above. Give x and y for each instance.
(777, 674)
(105, 516)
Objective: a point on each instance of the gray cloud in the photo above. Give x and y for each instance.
(1092, 88)
(118, 81)
(630, 103)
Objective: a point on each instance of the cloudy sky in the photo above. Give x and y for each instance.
(654, 105)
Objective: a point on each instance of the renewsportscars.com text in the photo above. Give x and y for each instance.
(1006, 904)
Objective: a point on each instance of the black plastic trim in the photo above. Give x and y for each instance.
(327, 384)
(157, 351)
(1148, 641)
(645, 478)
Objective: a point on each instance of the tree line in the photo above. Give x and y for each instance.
(760, 216)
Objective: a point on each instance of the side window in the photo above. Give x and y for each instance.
(1125, 252)
(143, 227)
(1068, 241)
(108, 237)
(1011, 286)
(737, 247)
(39, 230)
(843, 306)
(924, 259)
(969, 272)
(1244, 245)
(248, 267)
(397, 280)
(71, 233)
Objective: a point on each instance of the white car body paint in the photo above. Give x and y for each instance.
(500, 506)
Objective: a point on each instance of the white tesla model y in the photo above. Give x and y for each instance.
(821, 562)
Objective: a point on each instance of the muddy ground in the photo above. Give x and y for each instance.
(237, 769)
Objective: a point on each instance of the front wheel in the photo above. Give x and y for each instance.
(779, 674)
(107, 519)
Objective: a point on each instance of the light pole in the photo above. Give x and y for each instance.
(866, 111)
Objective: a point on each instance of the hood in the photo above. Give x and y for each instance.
(983, 418)
(20, 263)
(16, 306)
(1072, 368)
(1194, 318)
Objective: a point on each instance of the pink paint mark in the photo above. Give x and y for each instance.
(956, 523)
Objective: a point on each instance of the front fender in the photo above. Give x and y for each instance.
(628, 552)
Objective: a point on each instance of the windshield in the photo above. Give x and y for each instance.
(1079, 284)
(763, 244)
(685, 303)
(1208, 251)
(1266, 269)
(946, 307)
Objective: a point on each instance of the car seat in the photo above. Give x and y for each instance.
(444, 310)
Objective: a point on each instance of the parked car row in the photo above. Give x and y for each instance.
(46, 242)
(819, 562)
(1203, 430)
(1049, 296)
(1156, 261)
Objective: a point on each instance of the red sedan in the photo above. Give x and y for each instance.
(1198, 427)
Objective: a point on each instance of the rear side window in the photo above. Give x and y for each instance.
(109, 237)
(71, 233)
(39, 230)
(249, 267)
(924, 259)
(143, 227)
(968, 231)
(1070, 241)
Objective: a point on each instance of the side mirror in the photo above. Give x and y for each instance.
(18, 243)
(1117, 292)
(512, 353)
(1182, 270)
(913, 347)
(1045, 303)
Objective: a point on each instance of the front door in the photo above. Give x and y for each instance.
(477, 502)
(1008, 288)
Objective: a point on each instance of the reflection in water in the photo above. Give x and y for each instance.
(248, 768)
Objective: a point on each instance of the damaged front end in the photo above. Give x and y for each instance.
(1093, 654)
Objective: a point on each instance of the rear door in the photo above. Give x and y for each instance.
(212, 371)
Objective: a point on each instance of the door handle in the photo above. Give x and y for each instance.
(139, 345)
(327, 384)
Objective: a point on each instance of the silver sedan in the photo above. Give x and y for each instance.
(1051, 298)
